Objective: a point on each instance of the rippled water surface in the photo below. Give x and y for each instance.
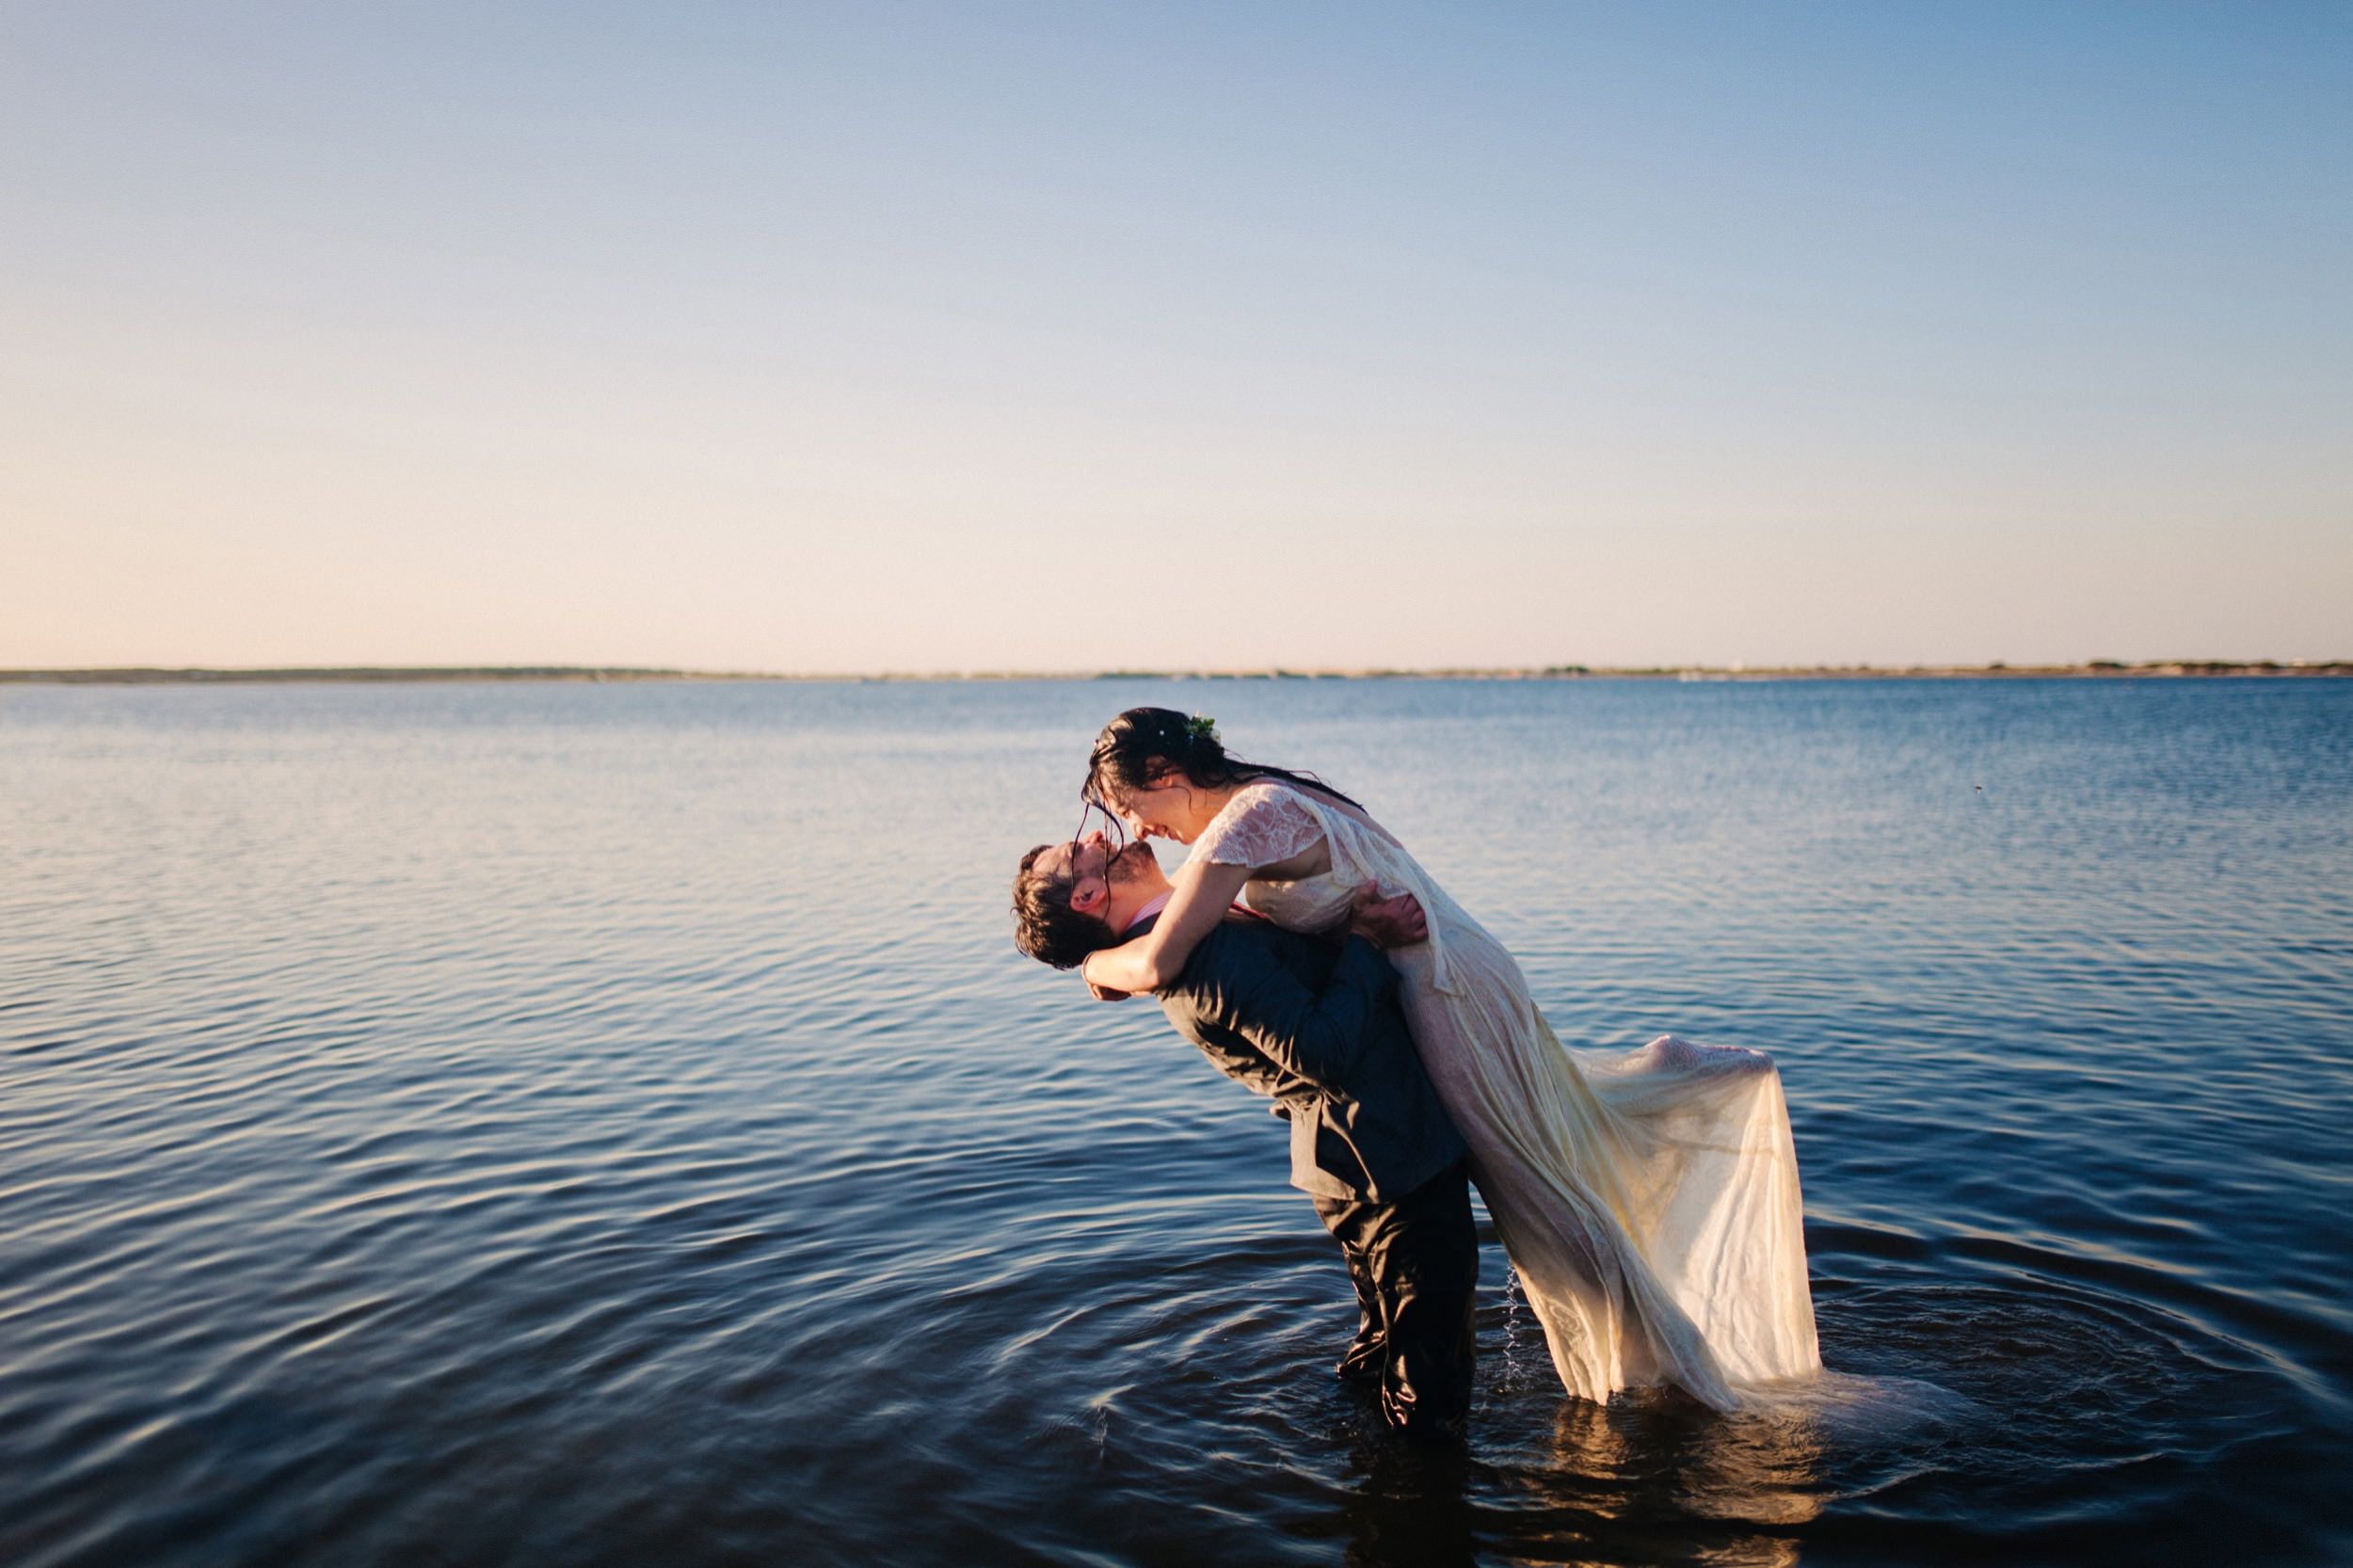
(584, 1124)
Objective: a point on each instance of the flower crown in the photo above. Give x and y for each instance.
(1201, 727)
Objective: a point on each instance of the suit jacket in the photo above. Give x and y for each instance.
(1317, 1027)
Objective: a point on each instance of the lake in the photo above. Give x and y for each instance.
(608, 1124)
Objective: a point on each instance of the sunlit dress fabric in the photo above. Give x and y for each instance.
(1648, 1199)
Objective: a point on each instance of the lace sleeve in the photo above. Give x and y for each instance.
(1262, 824)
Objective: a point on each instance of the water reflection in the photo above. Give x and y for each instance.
(1647, 1477)
(1411, 1506)
(1644, 1479)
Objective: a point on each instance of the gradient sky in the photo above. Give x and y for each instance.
(985, 336)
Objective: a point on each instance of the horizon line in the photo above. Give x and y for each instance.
(225, 674)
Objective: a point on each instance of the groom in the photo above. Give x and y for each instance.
(1315, 1025)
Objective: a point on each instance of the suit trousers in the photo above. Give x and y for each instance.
(1415, 1262)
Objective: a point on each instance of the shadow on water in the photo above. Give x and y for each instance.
(1409, 1503)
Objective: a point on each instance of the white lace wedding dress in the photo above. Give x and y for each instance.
(1647, 1198)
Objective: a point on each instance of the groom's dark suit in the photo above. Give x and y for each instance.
(1317, 1028)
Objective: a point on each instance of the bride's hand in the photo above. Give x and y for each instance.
(1388, 922)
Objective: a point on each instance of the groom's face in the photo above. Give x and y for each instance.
(1092, 868)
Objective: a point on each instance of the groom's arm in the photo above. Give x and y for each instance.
(1316, 1033)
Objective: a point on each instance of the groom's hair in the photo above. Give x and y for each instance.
(1046, 927)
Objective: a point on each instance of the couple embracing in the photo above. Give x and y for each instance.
(1648, 1199)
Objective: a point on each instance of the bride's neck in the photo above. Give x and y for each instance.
(1212, 798)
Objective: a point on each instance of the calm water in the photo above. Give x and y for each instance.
(584, 1124)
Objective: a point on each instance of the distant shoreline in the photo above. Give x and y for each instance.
(2097, 669)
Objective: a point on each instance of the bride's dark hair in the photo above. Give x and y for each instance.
(1133, 745)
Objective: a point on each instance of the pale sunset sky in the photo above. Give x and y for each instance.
(942, 337)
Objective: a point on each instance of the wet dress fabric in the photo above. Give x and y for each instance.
(1648, 1199)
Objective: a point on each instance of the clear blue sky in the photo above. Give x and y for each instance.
(972, 336)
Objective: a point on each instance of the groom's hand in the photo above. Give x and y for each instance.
(1104, 993)
(1388, 922)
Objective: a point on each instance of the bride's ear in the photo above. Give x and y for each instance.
(1161, 774)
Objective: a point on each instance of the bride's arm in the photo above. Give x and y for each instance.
(1204, 891)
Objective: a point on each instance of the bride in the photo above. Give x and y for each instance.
(1648, 1199)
